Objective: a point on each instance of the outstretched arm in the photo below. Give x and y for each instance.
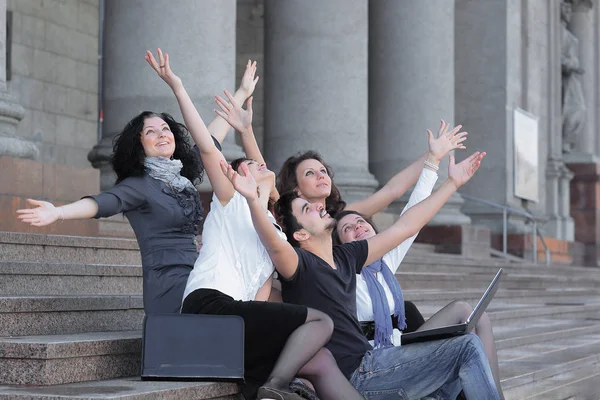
(218, 128)
(46, 213)
(241, 121)
(282, 254)
(405, 179)
(211, 156)
(411, 222)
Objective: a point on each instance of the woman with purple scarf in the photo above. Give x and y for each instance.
(379, 299)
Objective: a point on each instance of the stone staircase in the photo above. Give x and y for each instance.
(86, 345)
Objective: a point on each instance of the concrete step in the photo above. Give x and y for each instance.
(537, 295)
(124, 389)
(33, 278)
(57, 359)
(70, 249)
(52, 315)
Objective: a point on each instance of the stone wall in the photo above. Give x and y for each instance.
(54, 75)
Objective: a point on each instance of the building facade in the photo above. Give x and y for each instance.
(360, 81)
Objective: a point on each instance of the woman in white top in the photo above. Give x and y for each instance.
(234, 269)
(379, 296)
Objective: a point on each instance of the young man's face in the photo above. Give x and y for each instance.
(312, 216)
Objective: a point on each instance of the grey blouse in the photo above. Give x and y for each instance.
(165, 224)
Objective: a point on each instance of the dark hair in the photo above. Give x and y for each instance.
(128, 154)
(235, 164)
(285, 217)
(338, 217)
(287, 180)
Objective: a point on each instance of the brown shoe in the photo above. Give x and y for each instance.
(268, 393)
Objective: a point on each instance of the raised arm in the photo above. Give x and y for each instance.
(46, 213)
(405, 179)
(282, 254)
(218, 128)
(241, 121)
(211, 156)
(411, 222)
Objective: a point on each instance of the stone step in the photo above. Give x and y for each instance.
(58, 359)
(33, 278)
(52, 315)
(539, 295)
(466, 281)
(541, 330)
(70, 249)
(571, 379)
(124, 389)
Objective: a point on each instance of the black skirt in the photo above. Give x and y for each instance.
(267, 326)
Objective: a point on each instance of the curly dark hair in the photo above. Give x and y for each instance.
(334, 234)
(288, 181)
(128, 154)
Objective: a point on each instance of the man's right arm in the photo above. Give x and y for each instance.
(283, 255)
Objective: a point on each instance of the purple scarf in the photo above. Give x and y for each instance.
(381, 308)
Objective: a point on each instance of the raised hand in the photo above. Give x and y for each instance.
(233, 113)
(44, 214)
(460, 173)
(163, 69)
(446, 141)
(244, 184)
(248, 79)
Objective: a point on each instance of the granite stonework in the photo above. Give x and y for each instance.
(56, 359)
(22, 278)
(126, 389)
(585, 209)
(68, 249)
(47, 315)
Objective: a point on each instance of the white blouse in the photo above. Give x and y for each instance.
(364, 306)
(232, 259)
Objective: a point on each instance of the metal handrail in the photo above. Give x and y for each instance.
(506, 210)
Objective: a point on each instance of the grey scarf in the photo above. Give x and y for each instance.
(167, 171)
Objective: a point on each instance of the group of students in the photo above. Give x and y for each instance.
(342, 310)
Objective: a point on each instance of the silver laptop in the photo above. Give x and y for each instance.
(458, 329)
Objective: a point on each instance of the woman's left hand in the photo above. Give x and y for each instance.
(233, 113)
(446, 141)
(163, 69)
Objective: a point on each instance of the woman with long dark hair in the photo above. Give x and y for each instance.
(280, 340)
(156, 171)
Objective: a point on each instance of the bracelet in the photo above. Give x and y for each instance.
(431, 165)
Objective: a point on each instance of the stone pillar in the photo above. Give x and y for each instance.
(199, 36)
(11, 112)
(583, 26)
(411, 87)
(316, 87)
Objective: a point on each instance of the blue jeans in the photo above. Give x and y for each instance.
(427, 369)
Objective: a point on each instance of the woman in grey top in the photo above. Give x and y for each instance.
(156, 169)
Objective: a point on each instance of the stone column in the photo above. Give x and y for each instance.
(199, 36)
(583, 26)
(411, 87)
(316, 86)
(11, 112)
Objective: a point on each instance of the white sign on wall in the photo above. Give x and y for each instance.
(526, 166)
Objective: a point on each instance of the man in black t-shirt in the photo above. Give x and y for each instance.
(318, 275)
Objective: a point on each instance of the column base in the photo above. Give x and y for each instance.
(468, 240)
(585, 208)
(28, 179)
(354, 185)
(561, 251)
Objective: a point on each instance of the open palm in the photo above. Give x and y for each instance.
(248, 79)
(163, 69)
(460, 173)
(233, 113)
(243, 183)
(446, 141)
(44, 214)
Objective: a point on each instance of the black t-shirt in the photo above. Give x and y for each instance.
(333, 291)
